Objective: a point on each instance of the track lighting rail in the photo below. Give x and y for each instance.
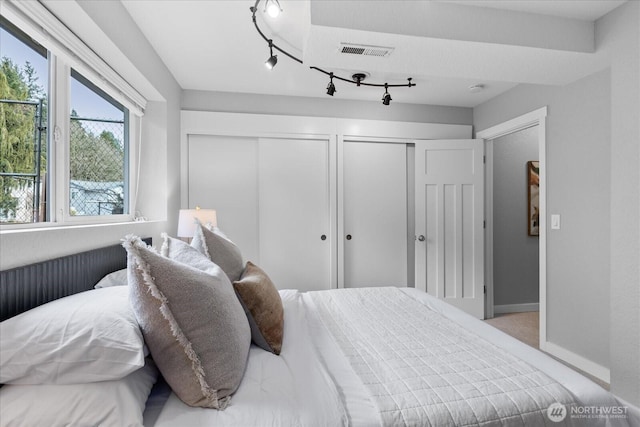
(357, 79)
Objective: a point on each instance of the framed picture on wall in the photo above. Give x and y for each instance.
(533, 198)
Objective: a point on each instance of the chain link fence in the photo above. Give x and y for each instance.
(97, 166)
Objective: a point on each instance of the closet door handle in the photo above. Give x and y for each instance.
(323, 237)
(421, 238)
(348, 236)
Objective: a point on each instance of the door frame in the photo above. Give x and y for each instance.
(533, 118)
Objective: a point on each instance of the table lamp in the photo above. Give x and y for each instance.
(188, 220)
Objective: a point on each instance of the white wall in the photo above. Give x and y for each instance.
(160, 193)
(593, 152)
(515, 253)
(323, 107)
(159, 169)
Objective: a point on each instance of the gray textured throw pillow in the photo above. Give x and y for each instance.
(220, 250)
(181, 251)
(193, 324)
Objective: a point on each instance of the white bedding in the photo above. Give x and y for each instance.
(293, 389)
(423, 369)
(585, 391)
(314, 383)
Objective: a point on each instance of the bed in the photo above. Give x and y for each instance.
(360, 357)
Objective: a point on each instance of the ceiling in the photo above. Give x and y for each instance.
(584, 10)
(446, 46)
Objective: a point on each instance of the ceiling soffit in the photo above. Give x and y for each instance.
(443, 40)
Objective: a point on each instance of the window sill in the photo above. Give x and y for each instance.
(30, 228)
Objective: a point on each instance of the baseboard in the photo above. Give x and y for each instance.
(578, 361)
(516, 308)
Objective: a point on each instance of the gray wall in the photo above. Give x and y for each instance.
(619, 33)
(515, 253)
(323, 107)
(578, 183)
(593, 152)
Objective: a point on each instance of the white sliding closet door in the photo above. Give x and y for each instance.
(223, 175)
(374, 228)
(294, 212)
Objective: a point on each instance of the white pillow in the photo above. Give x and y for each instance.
(82, 338)
(117, 278)
(108, 403)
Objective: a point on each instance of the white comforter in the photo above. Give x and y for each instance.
(371, 357)
(422, 369)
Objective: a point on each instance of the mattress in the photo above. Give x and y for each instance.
(358, 357)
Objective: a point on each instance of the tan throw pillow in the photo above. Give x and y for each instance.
(263, 306)
(219, 249)
(193, 324)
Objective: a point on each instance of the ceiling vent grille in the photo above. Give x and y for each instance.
(366, 50)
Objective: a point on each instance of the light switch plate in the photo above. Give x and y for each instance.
(555, 222)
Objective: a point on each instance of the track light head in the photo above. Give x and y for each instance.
(386, 98)
(272, 7)
(271, 62)
(273, 59)
(331, 88)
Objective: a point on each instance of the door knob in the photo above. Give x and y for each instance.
(421, 238)
(323, 237)
(348, 236)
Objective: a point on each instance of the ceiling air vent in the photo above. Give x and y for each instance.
(363, 49)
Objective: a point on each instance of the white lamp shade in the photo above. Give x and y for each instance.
(189, 218)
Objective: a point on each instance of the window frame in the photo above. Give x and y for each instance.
(39, 28)
(128, 215)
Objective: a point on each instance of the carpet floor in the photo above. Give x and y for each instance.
(523, 326)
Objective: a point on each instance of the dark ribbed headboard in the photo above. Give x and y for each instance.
(24, 288)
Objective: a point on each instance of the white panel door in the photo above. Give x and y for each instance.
(449, 222)
(374, 228)
(294, 212)
(223, 175)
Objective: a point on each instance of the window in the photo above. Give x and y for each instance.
(65, 127)
(23, 118)
(98, 144)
